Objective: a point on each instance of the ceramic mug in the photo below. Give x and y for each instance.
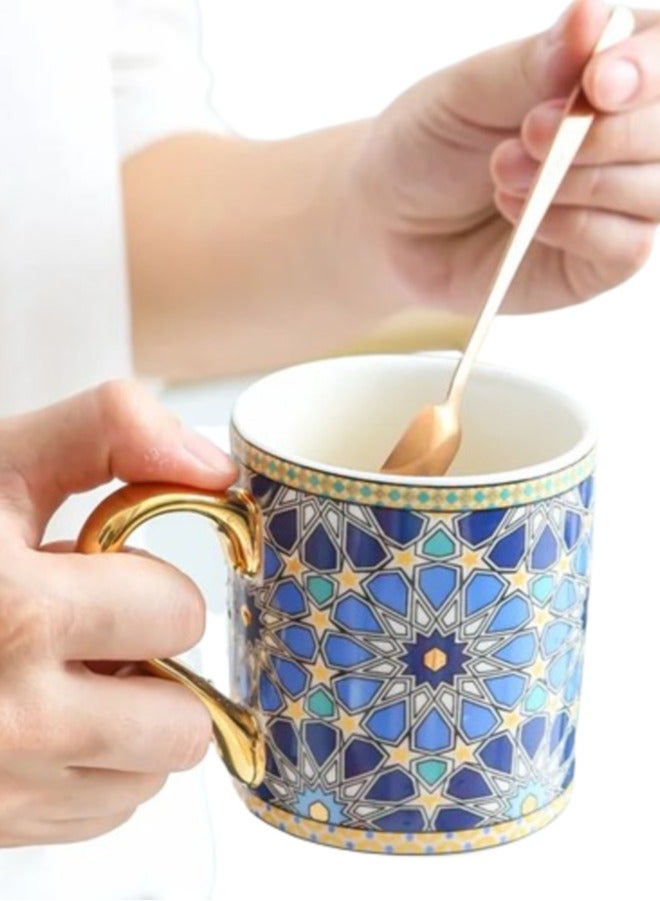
(406, 651)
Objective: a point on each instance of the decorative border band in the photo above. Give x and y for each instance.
(405, 496)
(401, 842)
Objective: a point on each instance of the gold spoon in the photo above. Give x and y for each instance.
(431, 440)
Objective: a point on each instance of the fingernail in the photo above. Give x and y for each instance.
(521, 181)
(546, 118)
(617, 82)
(128, 669)
(207, 453)
(515, 168)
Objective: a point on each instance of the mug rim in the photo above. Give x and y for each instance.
(563, 470)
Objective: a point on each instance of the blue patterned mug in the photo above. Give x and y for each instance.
(406, 651)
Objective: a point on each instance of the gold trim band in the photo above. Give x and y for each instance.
(404, 496)
(401, 842)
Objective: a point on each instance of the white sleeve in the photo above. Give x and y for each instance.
(162, 85)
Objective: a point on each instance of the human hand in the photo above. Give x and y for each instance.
(81, 748)
(442, 173)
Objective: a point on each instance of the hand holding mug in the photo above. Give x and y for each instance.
(79, 748)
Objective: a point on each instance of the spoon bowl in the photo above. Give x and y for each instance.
(440, 427)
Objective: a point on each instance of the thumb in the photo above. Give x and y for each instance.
(115, 430)
(498, 88)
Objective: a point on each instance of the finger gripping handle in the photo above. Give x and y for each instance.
(235, 514)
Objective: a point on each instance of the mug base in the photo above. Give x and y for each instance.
(380, 842)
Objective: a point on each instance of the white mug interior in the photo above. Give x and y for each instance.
(344, 415)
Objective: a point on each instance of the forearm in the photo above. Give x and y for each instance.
(239, 258)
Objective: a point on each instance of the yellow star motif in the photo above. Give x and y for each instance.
(348, 579)
(463, 753)
(404, 558)
(469, 559)
(542, 617)
(429, 800)
(564, 564)
(512, 719)
(554, 704)
(573, 709)
(519, 579)
(320, 619)
(348, 724)
(537, 669)
(321, 673)
(295, 710)
(293, 566)
(399, 754)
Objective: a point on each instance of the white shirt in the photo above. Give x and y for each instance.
(80, 83)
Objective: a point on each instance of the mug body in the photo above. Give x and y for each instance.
(412, 646)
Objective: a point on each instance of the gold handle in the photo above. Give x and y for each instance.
(236, 730)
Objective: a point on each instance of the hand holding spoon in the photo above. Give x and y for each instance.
(431, 440)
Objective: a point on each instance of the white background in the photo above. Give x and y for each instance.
(289, 66)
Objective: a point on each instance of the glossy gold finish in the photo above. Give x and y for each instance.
(235, 514)
(432, 439)
(235, 728)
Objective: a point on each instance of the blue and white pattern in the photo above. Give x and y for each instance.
(415, 672)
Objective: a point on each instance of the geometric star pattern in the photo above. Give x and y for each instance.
(414, 672)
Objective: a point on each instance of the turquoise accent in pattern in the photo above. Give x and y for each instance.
(320, 703)
(542, 588)
(536, 699)
(439, 545)
(398, 655)
(430, 770)
(320, 588)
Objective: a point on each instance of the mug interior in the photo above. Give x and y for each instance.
(345, 414)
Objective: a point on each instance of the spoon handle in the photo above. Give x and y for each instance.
(577, 118)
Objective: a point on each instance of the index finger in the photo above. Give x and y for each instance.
(121, 606)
